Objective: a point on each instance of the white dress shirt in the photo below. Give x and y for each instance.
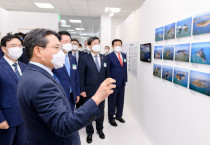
(98, 58)
(11, 63)
(43, 67)
(77, 55)
(118, 56)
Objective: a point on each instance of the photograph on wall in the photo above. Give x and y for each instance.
(169, 31)
(159, 34)
(168, 52)
(157, 70)
(180, 76)
(145, 52)
(158, 50)
(182, 52)
(201, 23)
(167, 72)
(200, 53)
(183, 28)
(200, 82)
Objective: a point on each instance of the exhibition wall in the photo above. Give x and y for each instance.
(168, 113)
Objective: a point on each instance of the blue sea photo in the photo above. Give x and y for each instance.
(168, 52)
(201, 23)
(183, 28)
(159, 34)
(167, 72)
(157, 70)
(200, 82)
(181, 76)
(158, 50)
(200, 53)
(169, 31)
(145, 52)
(182, 52)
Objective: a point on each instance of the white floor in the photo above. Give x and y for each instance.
(128, 133)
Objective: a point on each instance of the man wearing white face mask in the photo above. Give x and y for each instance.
(118, 71)
(68, 75)
(11, 124)
(43, 103)
(93, 70)
(75, 50)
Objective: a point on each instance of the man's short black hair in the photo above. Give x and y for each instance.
(115, 40)
(37, 37)
(107, 46)
(63, 33)
(75, 40)
(80, 45)
(91, 39)
(8, 38)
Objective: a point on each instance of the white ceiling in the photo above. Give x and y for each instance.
(90, 8)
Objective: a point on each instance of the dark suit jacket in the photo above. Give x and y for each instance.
(73, 81)
(46, 111)
(90, 78)
(1, 53)
(9, 109)
(118, 72)
(80, 55)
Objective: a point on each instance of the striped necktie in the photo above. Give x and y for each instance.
(16, 71)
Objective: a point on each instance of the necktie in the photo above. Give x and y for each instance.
(67, 65)
(75, 56)
(120, 59)
(16, 71)
(55, 77)
(97, 63)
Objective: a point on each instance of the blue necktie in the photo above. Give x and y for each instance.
(97, 63)
(16, 71)
(67, 65)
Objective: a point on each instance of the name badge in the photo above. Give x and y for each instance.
(105, 65)
(74, 66)
(125, 60)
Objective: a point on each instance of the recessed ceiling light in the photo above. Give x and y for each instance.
(113, 10)
(75, 21)
(79, 28)
(65, 26)
(44, 5)
(70, 30)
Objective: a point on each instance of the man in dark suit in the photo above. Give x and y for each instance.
(43, 103)
(68, 75)
(12, 130)
(93, 70)
(75, 52)
(118, 71)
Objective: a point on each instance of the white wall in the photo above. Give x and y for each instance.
(12, 21)
(105, 31)
(169, 114)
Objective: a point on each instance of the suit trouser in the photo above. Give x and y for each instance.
(13, 136)
(116, 102)
(99, 121)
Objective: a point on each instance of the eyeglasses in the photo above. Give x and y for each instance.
(58, 48)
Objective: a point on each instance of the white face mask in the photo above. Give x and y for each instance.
(106, 50)
(75, 47)
(88, 49)
(118, 49)
(58, 59)
(15, 52)
(96, 48)
(67, 47)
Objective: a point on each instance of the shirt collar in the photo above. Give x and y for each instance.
(10, 61)
(42, 66)
(94, 54)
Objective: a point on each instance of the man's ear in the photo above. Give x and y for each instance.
(37, 51)
(3, 48)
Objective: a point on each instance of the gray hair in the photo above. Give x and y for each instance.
(36, 37)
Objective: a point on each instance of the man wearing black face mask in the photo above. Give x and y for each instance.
(43, 103)
(93, 70)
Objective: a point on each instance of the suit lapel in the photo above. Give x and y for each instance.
(92, 62)
(21, 67)
(116, 59)
(102, 62)
(8, 68)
